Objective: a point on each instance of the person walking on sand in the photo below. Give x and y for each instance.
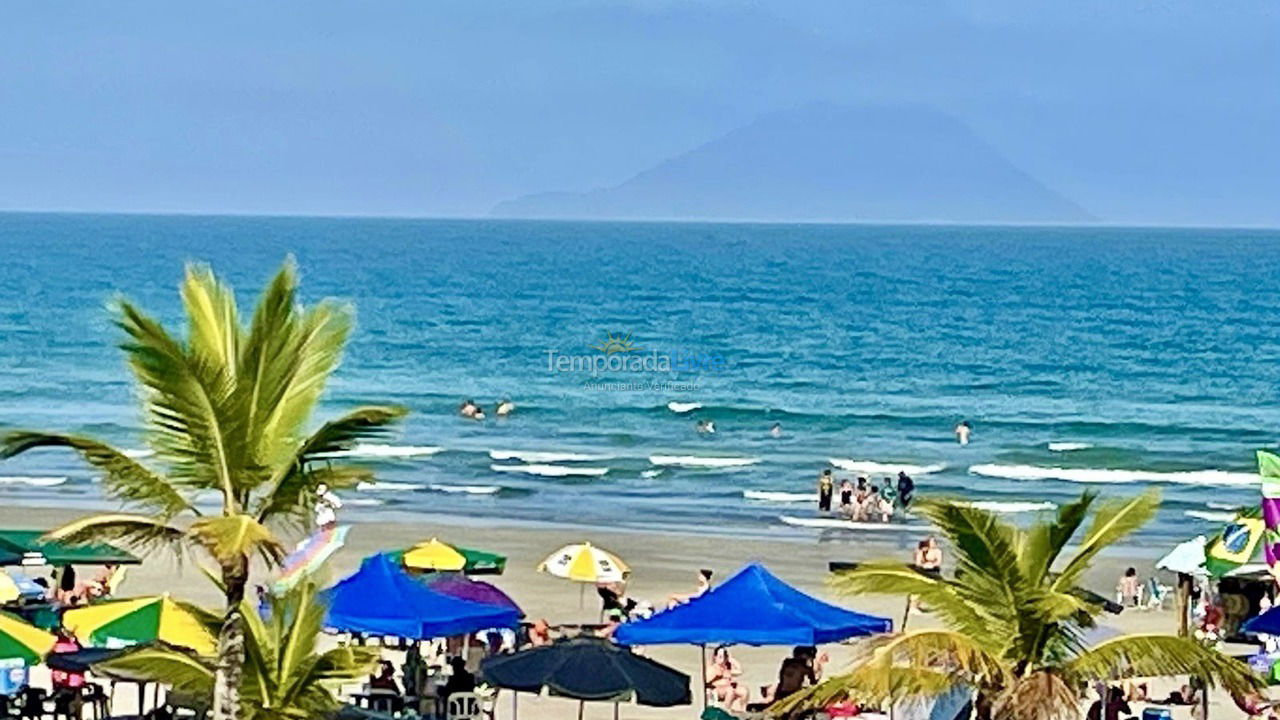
(963, 430)
(826, 486)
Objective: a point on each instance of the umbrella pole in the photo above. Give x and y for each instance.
(581, 705)
(702, 678)
(615, 710)
(582, 595)
(515, 710)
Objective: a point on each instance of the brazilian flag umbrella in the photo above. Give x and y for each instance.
(141, 620)
(434, 555)
(22, 641)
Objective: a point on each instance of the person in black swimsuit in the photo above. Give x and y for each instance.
(826, 487)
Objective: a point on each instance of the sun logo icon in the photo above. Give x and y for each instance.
(616, 344)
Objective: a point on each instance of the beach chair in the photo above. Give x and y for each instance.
(463, 706)
(1157, 595)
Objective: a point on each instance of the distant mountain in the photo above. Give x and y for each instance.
(824, 162)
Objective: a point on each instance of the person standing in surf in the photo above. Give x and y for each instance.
(826, 486)
(906, 488)
(963, 430)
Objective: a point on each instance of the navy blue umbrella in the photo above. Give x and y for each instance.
(589, 669)
(1268, 623)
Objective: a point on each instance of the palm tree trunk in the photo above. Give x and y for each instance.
(226, 680)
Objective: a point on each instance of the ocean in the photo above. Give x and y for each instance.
(1085, 358)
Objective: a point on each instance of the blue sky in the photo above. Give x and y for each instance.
(1142, 112)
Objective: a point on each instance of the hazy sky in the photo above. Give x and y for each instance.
(1138, 111)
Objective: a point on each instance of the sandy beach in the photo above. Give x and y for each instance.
(661, 564)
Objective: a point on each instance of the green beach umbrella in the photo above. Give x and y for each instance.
(22, 641)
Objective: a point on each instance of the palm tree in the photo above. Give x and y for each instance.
(1014, 626)
(226, 412)
(285, 676)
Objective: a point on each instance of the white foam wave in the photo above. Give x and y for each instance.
(363, 502)
(1106, 475)
(137, 454)
(997, 506)
(1222, 506)
(467, 489)
(536, 456)
(1068, 446)
(683, 407)
(692, 461)
(388, 486)
(1211, 516)
(869, 467)
(779, 497)
(374, 450)
(550, 470)
(827, 523)
(650, 473)
(35, 481)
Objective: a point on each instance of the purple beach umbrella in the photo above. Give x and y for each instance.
(474, 591)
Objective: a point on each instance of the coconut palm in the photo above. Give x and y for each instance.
(285, 675)
(227, 412)
(1015, 619)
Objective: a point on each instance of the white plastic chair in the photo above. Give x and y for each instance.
(463, 706)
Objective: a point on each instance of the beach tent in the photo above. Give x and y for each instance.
(381, 598)
(753, 607)
(25, 547)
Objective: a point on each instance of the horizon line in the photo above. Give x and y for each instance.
(639, 221)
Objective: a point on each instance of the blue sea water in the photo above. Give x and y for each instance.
(1145, 356)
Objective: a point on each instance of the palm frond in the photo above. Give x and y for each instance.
(981, 540)
(872, 686)
(189, 405)
(122, 477)
(1112, 521)
(1043, 542)
(230, 537)
(947, 650)
(213, 322)
(941, 596)
(292, 488)
(139, 532)
(1149, 655)
(183, 671)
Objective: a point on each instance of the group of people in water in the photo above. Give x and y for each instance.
(469, 409)
(865, 500)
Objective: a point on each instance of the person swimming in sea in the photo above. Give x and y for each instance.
(504, 408)
(963, 430)
(826, 486)
(468, 408)
(705, 427)
(776, 430)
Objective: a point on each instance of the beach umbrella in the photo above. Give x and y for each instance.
(585, 563)
(588, 669)
(9, 590)
(474, 591)
(22, 641)
(309, 555)
(435, 555)
(140, 620)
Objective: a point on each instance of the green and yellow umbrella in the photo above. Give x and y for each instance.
(441, 556)
(140, 620)
(22, 641)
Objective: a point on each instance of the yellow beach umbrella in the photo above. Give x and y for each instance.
(585, 563)
(129, 622)
(8, 588)
(434, 555)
